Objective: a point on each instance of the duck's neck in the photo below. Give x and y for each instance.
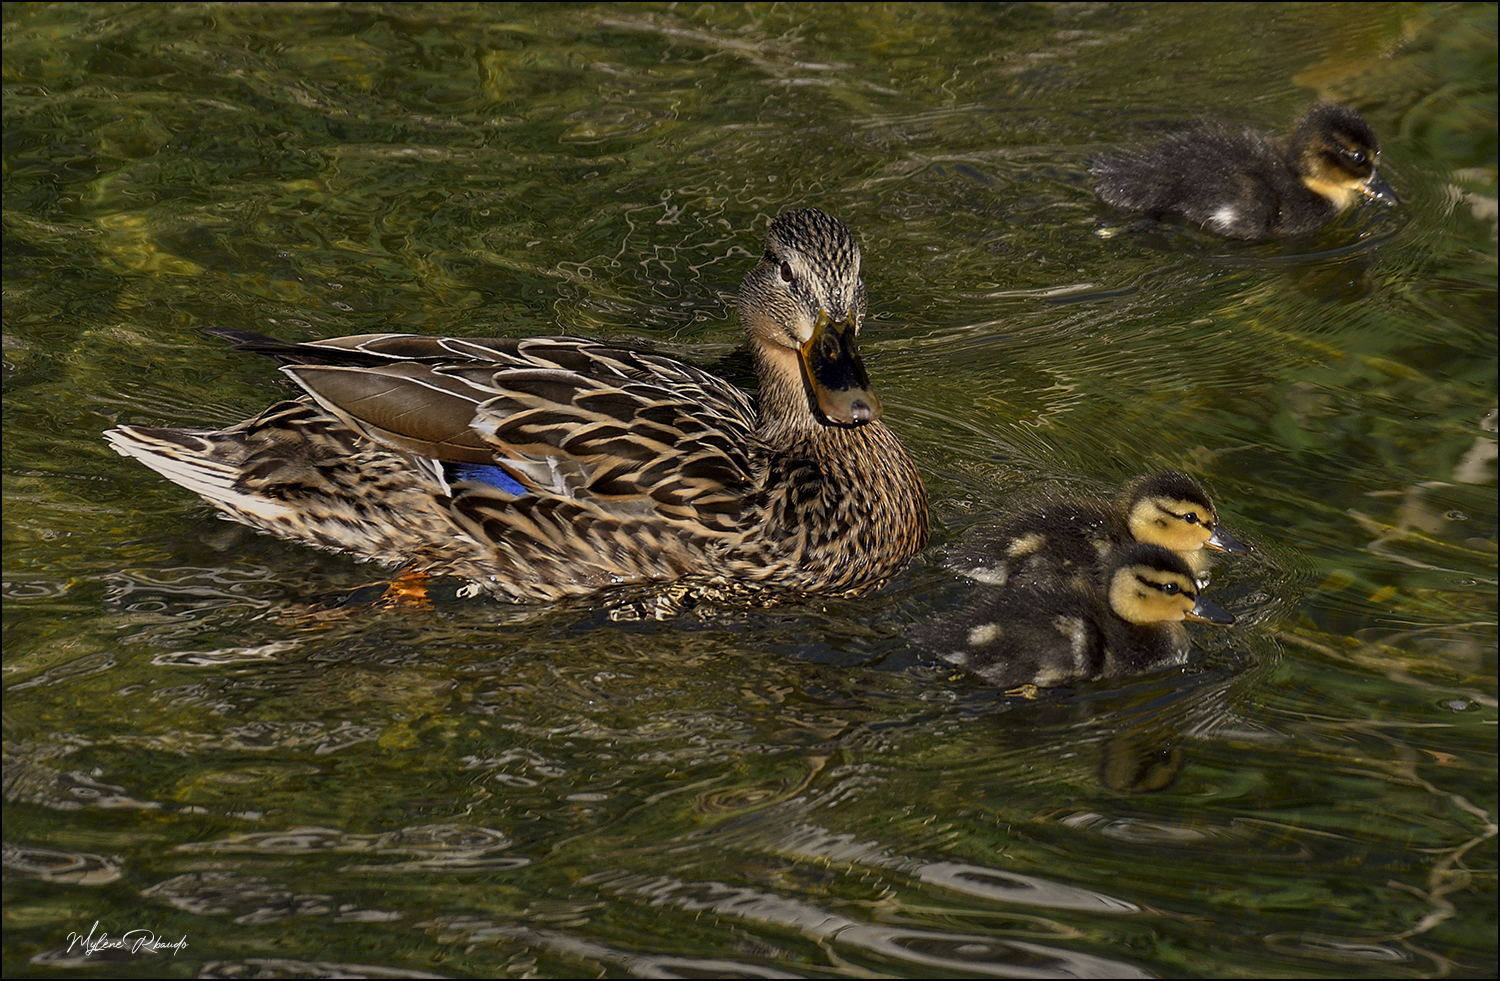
(844, 506)
(1137, 648)
(786, 404)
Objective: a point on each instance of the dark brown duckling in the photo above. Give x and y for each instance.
(1060, 536)
(1242, 184)
(1123, 619)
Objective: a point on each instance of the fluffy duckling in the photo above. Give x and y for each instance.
(1124, 619)
(1244, 185)
(1059, 537)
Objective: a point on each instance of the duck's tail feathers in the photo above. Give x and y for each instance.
(193, 459)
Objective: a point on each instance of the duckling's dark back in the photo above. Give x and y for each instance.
(1052, 539)
(1235, 183)
(1023, 633)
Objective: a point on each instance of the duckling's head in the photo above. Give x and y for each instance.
(1149, 586)
(802, 305)
(1172, 510)
(1336, 155)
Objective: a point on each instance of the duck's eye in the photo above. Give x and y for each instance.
(1356, 157)
(786, 272)
(1171, 588)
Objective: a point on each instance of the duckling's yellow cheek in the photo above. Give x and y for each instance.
(1341, 196)
(1188, 538)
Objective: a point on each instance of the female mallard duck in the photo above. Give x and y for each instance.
(1244, 185)
(1122, 618)
(548, 467)
(1057, 537)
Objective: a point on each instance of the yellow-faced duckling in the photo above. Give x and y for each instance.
(1120, 619)
(1244, 185)
(1061, 536)
(555, 466)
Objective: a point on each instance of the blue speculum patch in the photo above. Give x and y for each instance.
(486, 474)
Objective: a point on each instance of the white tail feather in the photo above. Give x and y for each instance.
(203, 476)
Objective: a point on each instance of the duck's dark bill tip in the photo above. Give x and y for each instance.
(1225, 542)
(1377, 188)
(1205, 611)
(854, 407)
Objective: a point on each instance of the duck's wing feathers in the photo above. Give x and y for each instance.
(624, 431)
(585, 358)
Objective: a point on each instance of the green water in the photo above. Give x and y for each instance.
(203, 743)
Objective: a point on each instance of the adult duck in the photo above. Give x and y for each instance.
(547, 467)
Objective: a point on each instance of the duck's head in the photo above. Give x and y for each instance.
(802, 305)
(1148, 585)
(1337, 155)
(1172, 510)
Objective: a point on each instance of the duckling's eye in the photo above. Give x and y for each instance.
(1356, 157)
(786, 272)
(1171, 588)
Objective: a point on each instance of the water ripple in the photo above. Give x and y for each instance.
(962, 952)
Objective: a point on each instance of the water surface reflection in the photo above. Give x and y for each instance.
(217, 735)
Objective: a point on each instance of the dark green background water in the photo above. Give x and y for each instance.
(199, 742)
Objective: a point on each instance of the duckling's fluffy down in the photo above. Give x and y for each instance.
(1242, 184)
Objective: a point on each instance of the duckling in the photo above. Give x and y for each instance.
(1059, 537)
(1242, 184)
(1124, 619)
